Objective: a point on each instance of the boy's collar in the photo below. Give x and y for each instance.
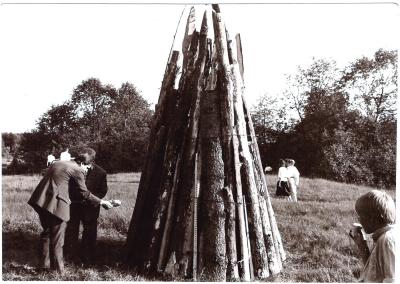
(375, 235)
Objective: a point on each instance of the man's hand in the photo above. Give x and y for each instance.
(106, 204)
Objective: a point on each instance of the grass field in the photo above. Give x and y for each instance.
(314, 232)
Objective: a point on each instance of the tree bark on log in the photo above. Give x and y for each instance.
(183, 234)
(243, 244)
(258, 249)
(271, 215)
(160, 124)
(173, 149)
(275, 251)
(168, 227)
(226, 109)
(212, 209)
(202, 137)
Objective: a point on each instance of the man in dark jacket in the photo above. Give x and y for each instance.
(51, 201)
(85, 212)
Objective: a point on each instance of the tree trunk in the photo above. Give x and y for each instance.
(212, 206)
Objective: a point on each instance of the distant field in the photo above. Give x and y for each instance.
(314, 232)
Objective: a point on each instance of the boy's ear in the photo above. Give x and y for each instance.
(381, 219)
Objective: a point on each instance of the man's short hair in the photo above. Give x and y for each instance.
(377, 203)
(91, 154)
(83, 154)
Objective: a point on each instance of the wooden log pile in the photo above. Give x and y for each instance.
(203, 210)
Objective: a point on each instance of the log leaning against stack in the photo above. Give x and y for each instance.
(202, 161)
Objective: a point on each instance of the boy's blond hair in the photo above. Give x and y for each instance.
(377, 203)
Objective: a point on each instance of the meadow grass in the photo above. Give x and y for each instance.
(314, 232)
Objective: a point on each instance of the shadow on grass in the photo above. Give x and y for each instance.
(20, 259)
(20, 248)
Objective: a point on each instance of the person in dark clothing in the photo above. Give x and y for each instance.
(282, 186)
(85, 213)
(51, 201)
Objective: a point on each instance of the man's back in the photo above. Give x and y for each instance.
(52, 193)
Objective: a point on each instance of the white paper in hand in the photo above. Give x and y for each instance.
(116, 202)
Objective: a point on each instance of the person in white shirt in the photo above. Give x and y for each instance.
(65, 156)
(50, 159)
(282, 186)
(293, 178)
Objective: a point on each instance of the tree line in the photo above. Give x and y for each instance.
(336, 123)
(114, 122)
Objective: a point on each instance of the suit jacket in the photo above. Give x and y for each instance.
(52, 192)
(96, 183)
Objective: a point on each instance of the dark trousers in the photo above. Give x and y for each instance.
(51, 241)
(282, 188)
(81, 213)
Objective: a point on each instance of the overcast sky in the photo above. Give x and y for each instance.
(47, 50)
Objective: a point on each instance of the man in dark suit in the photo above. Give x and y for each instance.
(51, 201)
(85, 212)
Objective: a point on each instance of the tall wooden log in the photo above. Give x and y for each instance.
(137, 230)
(212, 206)
(271, 215)
(172, 151)
(239, 53)
(183, 234)
(181, 242)
(267, 202)
(190, 28)
(258, 249)
(225, 94)
(167, 227)
(274, 260)
(243, 243)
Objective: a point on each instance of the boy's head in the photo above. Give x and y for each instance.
(375, 209)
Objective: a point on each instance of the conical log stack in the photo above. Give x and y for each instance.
(203, 210)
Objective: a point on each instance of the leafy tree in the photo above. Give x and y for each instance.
(346, 160)
(128, 126)
(113, 122)
(271, 120)
(59, 126)
(372, 82)
(91, 101)
(321, 75)
(372, 85)
(344, 126)
(31, 154)
(10, 140)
